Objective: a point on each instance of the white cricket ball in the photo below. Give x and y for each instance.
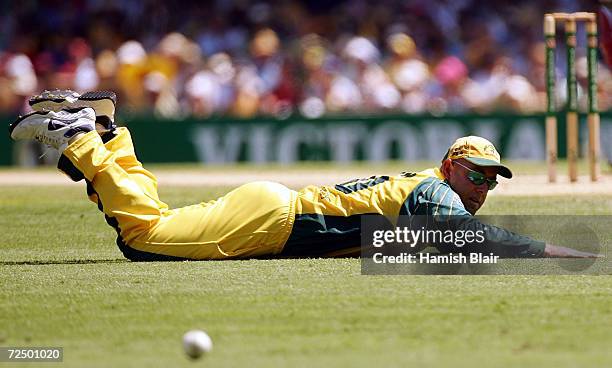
(196, 343)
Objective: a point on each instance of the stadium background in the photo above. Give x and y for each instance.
(262, 81)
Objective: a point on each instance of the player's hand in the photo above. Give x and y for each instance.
(555, 251)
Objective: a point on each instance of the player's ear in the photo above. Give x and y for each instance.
(446, 167)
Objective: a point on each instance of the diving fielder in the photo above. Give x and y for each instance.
(260, 219)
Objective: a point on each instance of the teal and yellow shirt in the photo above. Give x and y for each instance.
(328, 218)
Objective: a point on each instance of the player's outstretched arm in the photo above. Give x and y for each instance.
(556, 251)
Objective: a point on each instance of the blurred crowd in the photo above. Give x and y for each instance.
(247, 58)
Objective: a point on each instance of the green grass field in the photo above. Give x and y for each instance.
(65, 283)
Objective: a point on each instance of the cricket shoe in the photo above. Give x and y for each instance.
(103, 103)
(54, 128)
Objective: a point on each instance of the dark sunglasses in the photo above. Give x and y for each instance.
(478, 178)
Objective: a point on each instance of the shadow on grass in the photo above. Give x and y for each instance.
(66, 261)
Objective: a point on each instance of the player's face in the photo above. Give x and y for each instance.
(470, 182)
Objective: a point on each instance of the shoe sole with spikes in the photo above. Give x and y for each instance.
(103, 103)
(53, 128)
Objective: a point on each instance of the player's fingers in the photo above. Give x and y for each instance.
(589, 255)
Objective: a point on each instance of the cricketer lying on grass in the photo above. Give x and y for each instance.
(260, 219)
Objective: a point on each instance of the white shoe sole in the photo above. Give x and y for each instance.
(103, 102)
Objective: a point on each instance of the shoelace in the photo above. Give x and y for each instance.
(49, 142)
(47, 149)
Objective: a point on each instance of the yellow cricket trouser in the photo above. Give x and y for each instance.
(252, 220)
